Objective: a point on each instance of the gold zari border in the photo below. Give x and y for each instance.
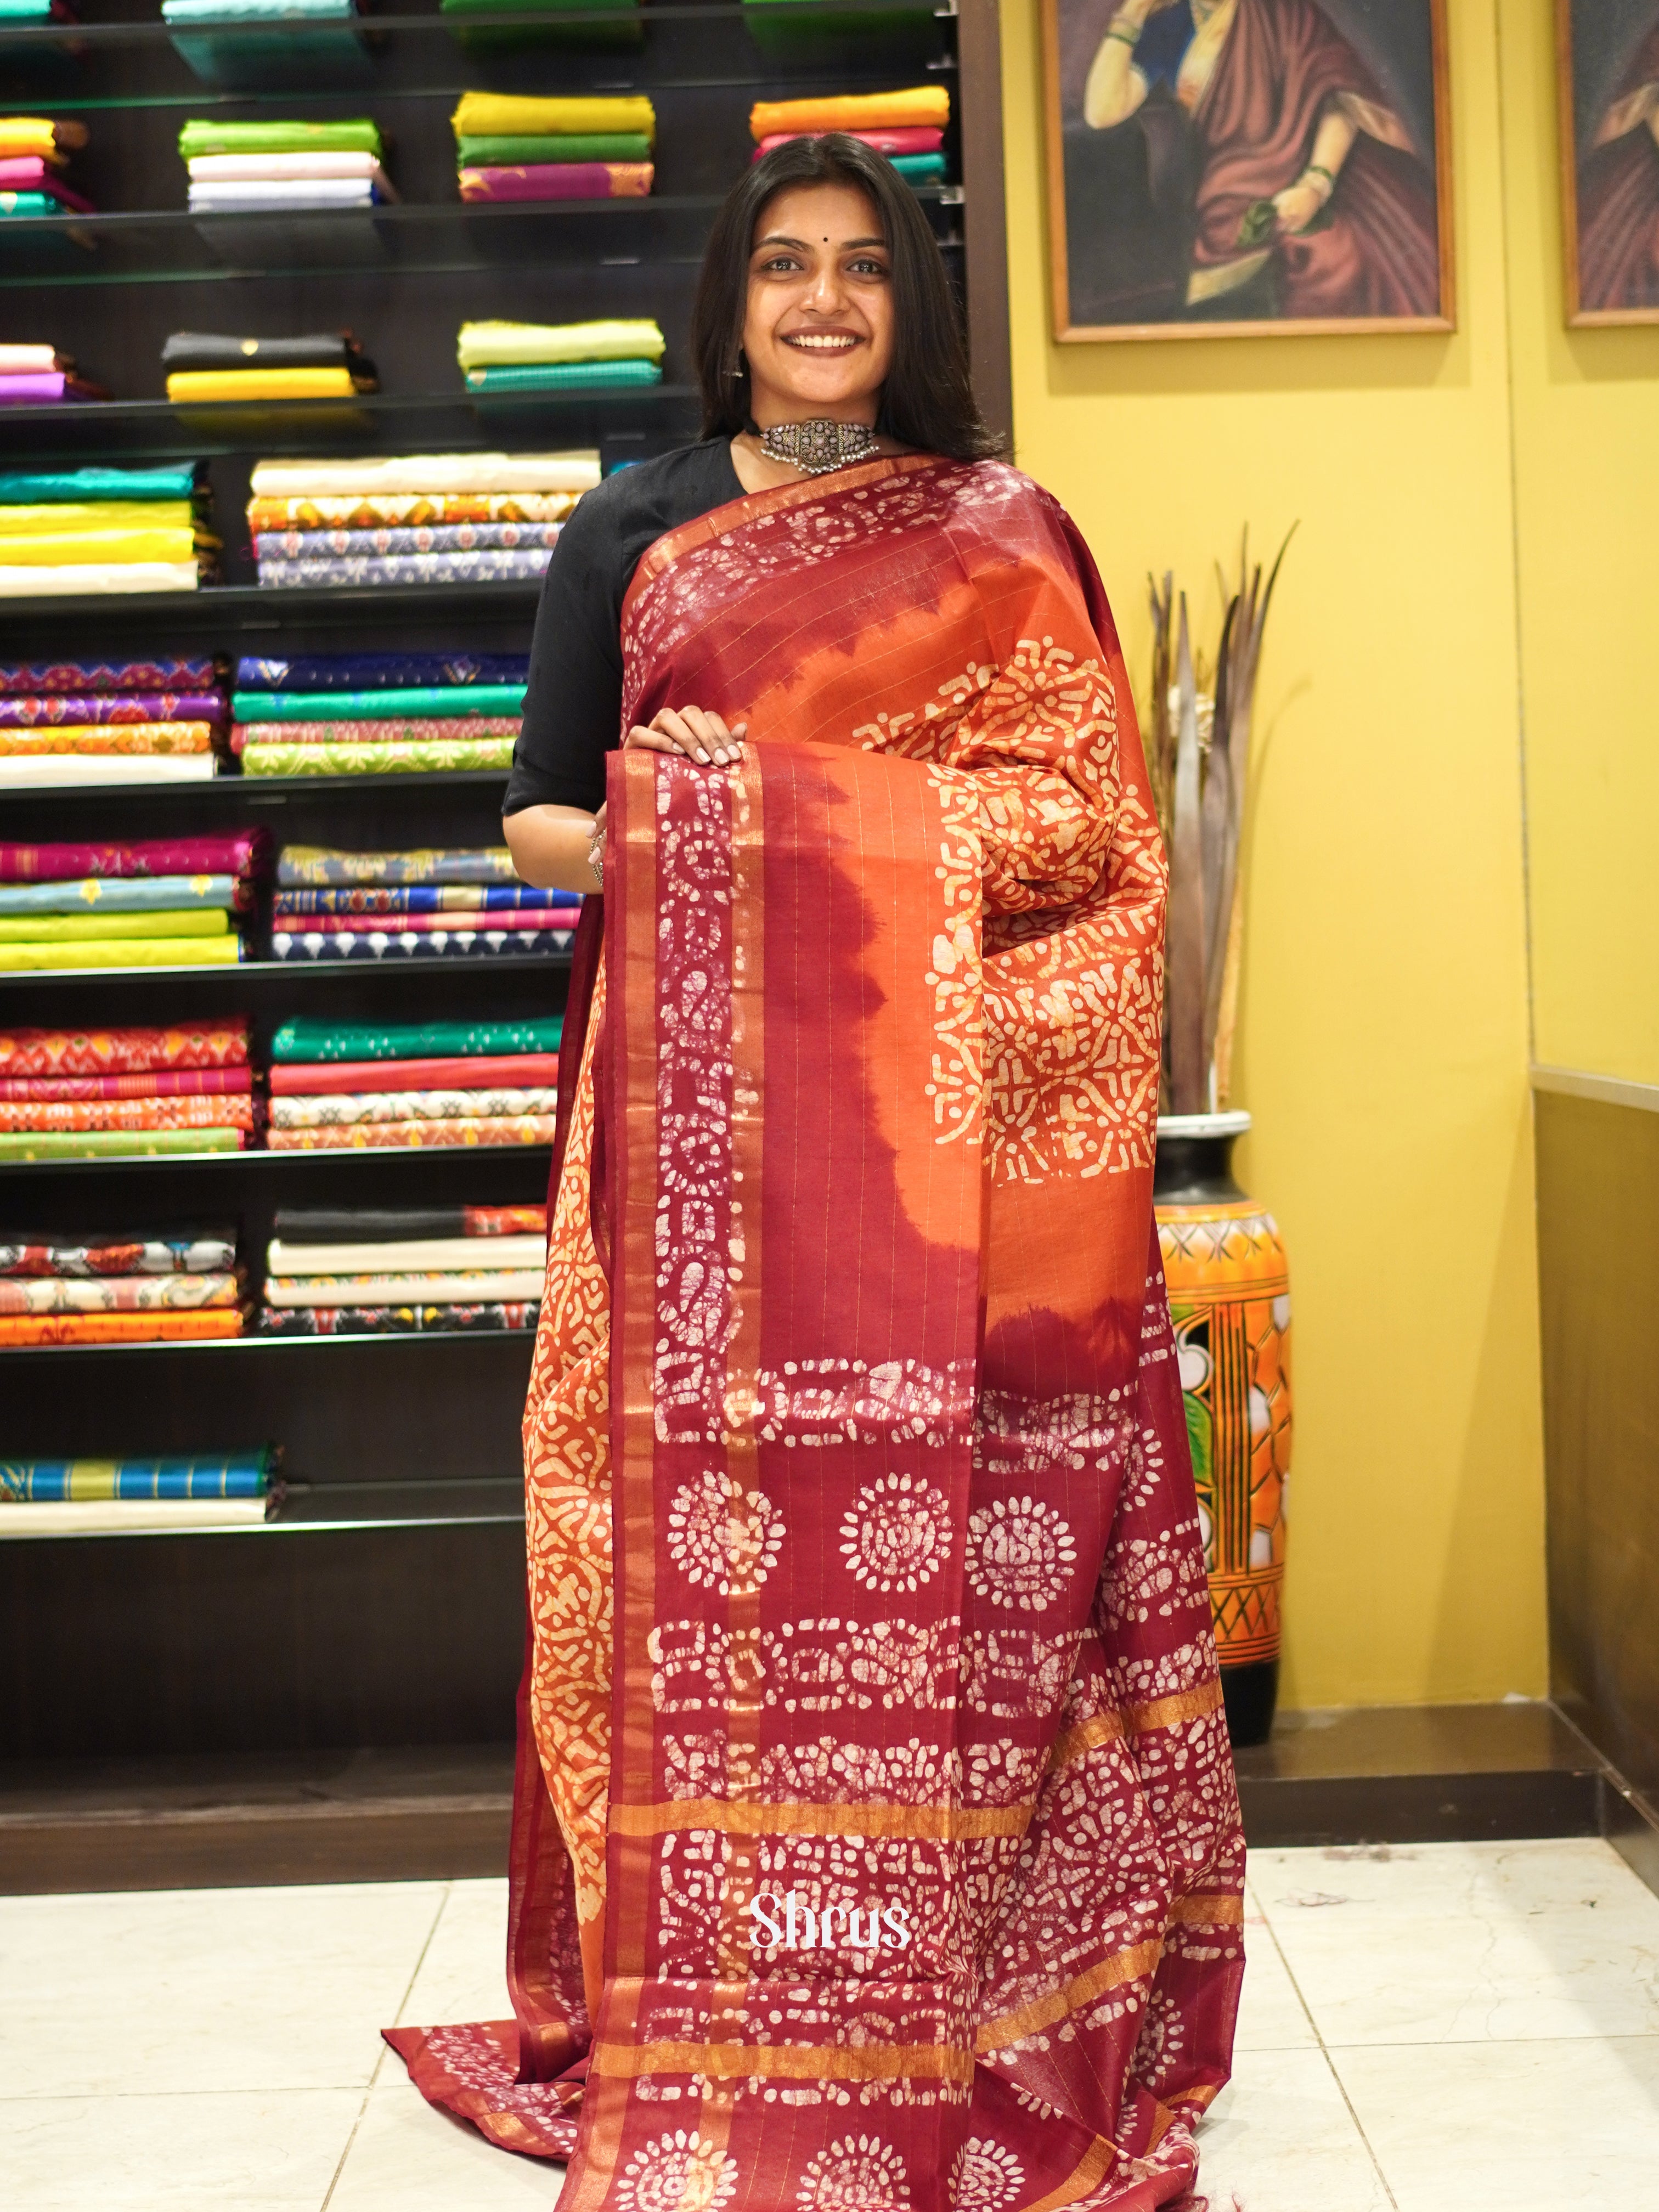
(1109, 1974)
(726, 2062)
(942, 1823)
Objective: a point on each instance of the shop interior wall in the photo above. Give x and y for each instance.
(1385, 1011)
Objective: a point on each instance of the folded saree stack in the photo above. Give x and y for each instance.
(908, 127)
(592, 148)
(94, 1093)
(119, 1286)
(34, 150)
(65, 532)
(177, 902)
(422, 519)
(346, 713)
(245, 45)
(465, 904)
(161, 720)
(462, 1267)
(560, 356)
(85, 1497)
(202, 365)
(40, 376)
(242, 168)
(361, 1086)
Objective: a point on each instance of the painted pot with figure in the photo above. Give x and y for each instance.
(1229, 1300)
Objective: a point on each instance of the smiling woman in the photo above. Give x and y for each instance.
(871, 1745)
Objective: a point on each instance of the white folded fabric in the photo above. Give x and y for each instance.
(28, 359)
(98, 1516)
(344, 1108)
(404, 1256)
(17, 770)
(428, 472)
(223, 168)
(69, 583)
(244, 197)
(509, 1283)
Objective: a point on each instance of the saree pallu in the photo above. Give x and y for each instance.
(876, 1842)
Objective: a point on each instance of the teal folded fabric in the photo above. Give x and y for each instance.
(563, 376)
(17, 490)
(24, 203)
(251, 11)
(919, 168)
(95, 895)
(309, 1037)
(56, 1481)
(366, 706)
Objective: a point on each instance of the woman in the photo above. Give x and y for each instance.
(1311, 196)
(876, 1843)
(1619, 193)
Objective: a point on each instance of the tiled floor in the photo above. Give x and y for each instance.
(1434, 2028)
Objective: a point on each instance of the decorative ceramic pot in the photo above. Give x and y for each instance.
(1230, 1299)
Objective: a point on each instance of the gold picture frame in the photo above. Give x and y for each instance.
(1606, 79)
(1211, 235)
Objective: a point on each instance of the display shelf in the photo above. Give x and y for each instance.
(150, 30)
(324, 1509)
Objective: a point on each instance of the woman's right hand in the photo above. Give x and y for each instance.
(693, 732)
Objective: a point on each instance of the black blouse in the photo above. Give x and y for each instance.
(573, 706)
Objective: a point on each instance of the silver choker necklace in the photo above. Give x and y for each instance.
(823, 444)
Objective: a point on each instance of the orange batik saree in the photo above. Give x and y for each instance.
(877, 1844)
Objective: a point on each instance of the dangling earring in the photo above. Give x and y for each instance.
(742, 368)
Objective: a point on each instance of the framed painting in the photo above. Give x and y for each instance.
(1219, 169)
(1608, 70)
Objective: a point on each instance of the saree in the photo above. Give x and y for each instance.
(876, 1842)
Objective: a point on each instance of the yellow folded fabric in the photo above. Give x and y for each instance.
(95, 514)
(132, 952)
(171, 738)
(924, 105)
(504, 115)
(483, 345)
(260, 384)
(100, 928)
(36, 134)
(92, 548)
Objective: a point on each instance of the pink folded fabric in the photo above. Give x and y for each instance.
(516, 917)
(909, 138)
(22, 714)
(559, 180)
(47, 183)
(44, 388)
(26, 172)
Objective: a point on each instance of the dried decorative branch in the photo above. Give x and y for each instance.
(1205, 773)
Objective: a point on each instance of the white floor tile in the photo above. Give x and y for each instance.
(408, 2157)
(464, 1974)
(1280, 2138)
(1466, 1943)
(1528, 2127)
(1271, 2015)
(216, 1989)
(276, 2152)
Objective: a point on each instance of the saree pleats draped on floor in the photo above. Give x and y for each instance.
(877, 1843)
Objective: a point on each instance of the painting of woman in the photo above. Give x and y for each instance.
(1612, 124)
(1245, 163)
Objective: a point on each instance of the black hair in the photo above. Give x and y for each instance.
(927, 401)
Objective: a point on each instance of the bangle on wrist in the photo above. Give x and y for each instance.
(1125, 38)
(1125, 29)
(1320, 178)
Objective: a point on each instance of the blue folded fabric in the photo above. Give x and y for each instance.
(379, 672)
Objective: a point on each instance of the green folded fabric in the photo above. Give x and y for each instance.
(90, 1143)
(29, 203)
(563, 376)
(127, 953)
(200, 136)
(512, 153)
(368, 706)
(919, 168)
(18, 490)
(91, 928)
(444, 755)
(309, 1037)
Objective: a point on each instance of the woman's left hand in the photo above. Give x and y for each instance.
(1297, 206)
(695, 731)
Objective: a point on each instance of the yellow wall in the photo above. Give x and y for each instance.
(1384, 1015)
(1587, 490)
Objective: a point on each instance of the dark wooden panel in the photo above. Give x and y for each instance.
(1598, 1246)
(284, 1640)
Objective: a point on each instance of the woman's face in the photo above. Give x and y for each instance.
(818, 332)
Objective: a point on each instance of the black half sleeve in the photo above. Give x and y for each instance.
(572, 705)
